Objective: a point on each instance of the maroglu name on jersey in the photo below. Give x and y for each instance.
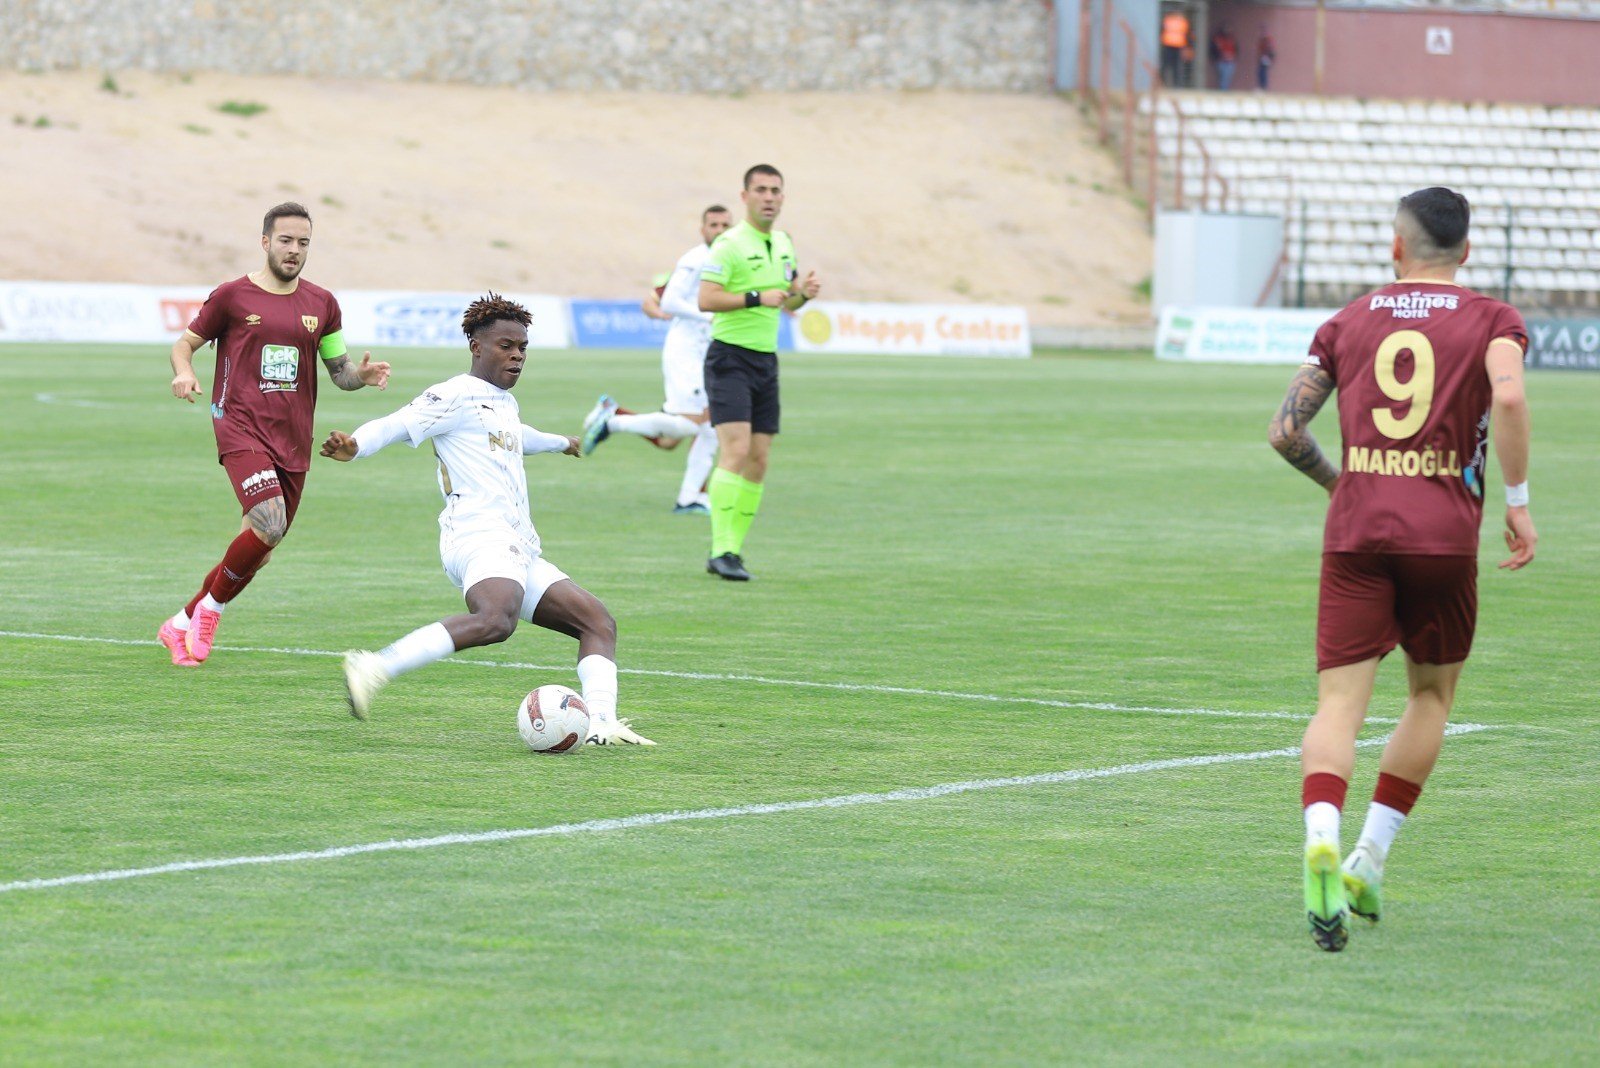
(1414, 401)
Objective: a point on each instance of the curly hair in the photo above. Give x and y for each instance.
(492, 308)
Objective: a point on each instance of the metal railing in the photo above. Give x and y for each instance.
(1117, 111)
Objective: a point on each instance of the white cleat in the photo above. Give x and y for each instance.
(364, 676)
(615, 732)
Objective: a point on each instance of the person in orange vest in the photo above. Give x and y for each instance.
(1174, 39)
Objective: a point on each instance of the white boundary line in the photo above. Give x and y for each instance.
(763, 680)
(656, 819)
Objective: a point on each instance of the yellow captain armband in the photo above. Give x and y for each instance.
(332, 346)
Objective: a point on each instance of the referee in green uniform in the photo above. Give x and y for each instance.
(750, 274)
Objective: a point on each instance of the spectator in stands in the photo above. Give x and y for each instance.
(1174, 39)
(1225, 54)
(1266, 52)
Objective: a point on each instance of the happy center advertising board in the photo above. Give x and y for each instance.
(912, 329)
(113, 312)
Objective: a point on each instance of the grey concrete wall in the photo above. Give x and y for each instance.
(661, 45)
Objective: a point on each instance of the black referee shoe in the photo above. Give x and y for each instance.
(728, 566)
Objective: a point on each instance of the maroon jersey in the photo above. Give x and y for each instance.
(1414, 415)
(265, 387)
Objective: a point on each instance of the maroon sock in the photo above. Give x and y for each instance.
(205, 587)
(238, 566)
(1323, 786)
(1397, 793)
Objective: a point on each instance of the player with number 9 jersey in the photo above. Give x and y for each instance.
(1428, 373)
(1407, 361)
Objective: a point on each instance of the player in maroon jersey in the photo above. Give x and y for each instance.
(1421, 366)
(266, 326)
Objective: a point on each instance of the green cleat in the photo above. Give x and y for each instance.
(1325, 902)
(597, 424)
(1363, 884)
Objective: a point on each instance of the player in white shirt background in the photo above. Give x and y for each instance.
(487, 542)
(685, 413)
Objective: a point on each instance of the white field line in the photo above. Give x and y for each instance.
(656, 819)
(762, 680)
(52, 398)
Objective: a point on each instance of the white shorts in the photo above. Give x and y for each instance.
(471, 558)
(683, 371)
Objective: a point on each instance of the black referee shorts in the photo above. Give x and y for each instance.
(742, 386)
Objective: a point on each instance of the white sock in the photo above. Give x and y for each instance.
(655, 425)
(211, 603)
(1377, 834)
(702, 457)
(598, 677)
(1322, 820)
(419, 648)
(181, 620)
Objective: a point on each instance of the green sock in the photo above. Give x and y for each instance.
(724, 492)
(744, 511)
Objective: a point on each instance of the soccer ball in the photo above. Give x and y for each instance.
(553, 719)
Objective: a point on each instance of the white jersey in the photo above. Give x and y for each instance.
(476, 431)
(691, 327)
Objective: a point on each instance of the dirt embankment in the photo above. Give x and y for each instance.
(925, 197)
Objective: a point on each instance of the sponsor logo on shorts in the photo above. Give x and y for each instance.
(216, 411)
(260, 482)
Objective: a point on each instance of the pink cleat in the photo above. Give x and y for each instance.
(202, 630)
(175, 641)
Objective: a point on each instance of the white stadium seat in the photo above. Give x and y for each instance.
(1349, 160)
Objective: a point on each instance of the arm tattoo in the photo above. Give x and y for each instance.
(1307, 394)
(343, 374)
(269, 519)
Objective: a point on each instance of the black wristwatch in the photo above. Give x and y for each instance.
(752, 299)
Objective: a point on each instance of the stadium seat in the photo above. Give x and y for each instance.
(1336, 159)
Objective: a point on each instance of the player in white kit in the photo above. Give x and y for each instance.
(486, 539)
(683, 359)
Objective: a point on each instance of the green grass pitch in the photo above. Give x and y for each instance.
(1080, 530)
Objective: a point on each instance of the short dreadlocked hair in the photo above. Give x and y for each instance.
(492, 308)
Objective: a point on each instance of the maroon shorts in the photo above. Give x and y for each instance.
(256, 478)
(1371, 602)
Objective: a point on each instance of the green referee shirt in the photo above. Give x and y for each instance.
(743, 259)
